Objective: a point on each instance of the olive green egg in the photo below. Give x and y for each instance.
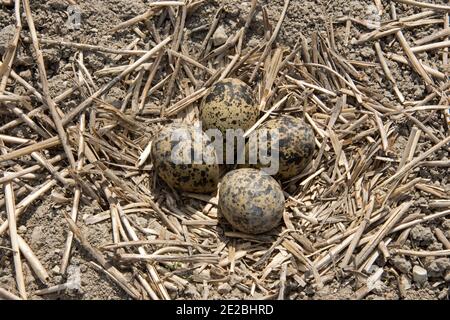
(229, 104)
(185, 159)
(251, 200)
(289, 139)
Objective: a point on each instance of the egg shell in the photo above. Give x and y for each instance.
(295, 145)
(250, 200)
(198, 176)
(229, 104)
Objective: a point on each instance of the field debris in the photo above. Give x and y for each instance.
(380, 168)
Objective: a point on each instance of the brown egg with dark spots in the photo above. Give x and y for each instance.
(251, 201)
(185, 159)
(229, 104)
(290, 140)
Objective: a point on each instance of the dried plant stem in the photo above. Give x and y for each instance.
(383, 134)
(54, 289)
(436, 163)
(29, 122)
(435, 73)
(446, 27)
(150, 78)
(430, 217)
(5, 69)
(171, 85)
(11, 213)
(415, 161)
(384, 230)
(370, 285)
(33, 261)
(150, 12)
(442, 238)
(425, 5)
(16, 140)
(379, 6)
(415, 63)
(14, 175)
(114, 214)
(116, 274)
(413, 59)
(76, 197)
(211, 30)
(43, 76)
(293, 248)
(147, 287)
(387, 72)
(235, 59)
(86, 103)
(87, 47)
(8, 295)
(271, 41)
(35, 111)
(38, 192)
(49, 143)
(283, 273)
(51, 169)
(356, 238)
(185, 102)
(356, 197)
(207, 258)
(177, 38)
(302, 84)
(438, 35)
(438, 253)
(431, 46)
(265, 116)
(424, 128)
(191, 61)
(145, 242)
(150, 268)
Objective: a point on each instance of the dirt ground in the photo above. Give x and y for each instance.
(43, 225)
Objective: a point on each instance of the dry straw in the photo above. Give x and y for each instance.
(354, 203)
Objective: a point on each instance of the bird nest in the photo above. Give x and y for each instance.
(353, 206)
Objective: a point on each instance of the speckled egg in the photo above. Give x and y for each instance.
(295, 145)
(185, 159)
(250, 200)
(229, 104)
